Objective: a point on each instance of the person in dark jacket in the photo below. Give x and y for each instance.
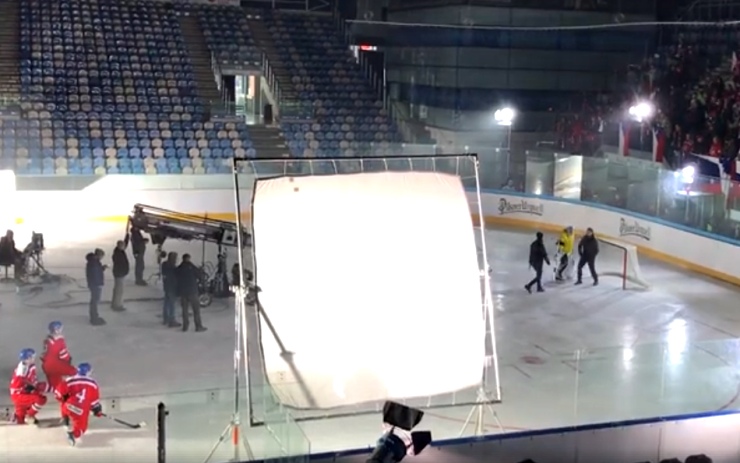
(169, 281)
(188, 284)
(588, 249)
(9, 254)
(120, 271)
(138, 247)
(537, 258)
(94, 272)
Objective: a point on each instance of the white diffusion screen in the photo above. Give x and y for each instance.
(372, 282)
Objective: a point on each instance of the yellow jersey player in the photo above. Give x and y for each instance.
(565, 251)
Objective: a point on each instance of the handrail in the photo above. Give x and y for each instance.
(225, 106)
(272, 81)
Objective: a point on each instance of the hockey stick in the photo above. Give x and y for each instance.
(139, 425)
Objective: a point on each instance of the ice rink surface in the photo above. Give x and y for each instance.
(571, 355)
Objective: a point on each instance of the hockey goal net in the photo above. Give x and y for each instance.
(620, 259)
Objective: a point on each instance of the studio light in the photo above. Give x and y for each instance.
(400, 441)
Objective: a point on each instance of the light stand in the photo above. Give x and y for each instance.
(240, 294)
(482, 401)
(483, 404)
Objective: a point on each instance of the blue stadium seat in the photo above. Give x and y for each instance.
(104, 83)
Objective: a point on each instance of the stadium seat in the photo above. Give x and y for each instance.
(345, 115)
(110, 85)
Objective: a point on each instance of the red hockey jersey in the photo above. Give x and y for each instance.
(23, 375)
(82, 393)
(55, 351)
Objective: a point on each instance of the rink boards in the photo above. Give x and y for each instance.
(655, 439)
(111, 199)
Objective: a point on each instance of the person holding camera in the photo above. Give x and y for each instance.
(95, 275)
(138, 247)
(188, 287)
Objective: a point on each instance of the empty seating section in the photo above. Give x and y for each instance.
(227, 36)
(347, 116)
(107, 87)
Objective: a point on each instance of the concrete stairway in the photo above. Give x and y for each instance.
(263, 39)
(200, 58)
(10, 87)
(268, 141)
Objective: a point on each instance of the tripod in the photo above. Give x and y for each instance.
(234, 428)
(161, 256)
(483, 403)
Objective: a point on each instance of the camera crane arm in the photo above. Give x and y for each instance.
(161, 224)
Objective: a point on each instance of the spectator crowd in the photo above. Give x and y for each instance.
(694, 86)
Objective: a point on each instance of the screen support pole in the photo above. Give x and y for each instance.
(234, 428)
(483, 400)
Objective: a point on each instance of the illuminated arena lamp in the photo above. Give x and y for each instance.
(394, 445)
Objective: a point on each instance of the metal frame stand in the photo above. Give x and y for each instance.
(486, 396)
(234, 428)
(482, 401)
(478, 412)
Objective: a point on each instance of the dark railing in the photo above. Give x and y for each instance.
(603, 6)
(224, 106)
(287, 109)
(318, 6)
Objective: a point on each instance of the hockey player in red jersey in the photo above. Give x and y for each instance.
(56, 361)
(26, 392)
(80, 396)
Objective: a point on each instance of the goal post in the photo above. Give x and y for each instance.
(621, 259)
(358, 261)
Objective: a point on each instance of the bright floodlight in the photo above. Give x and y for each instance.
(371, 281)
(641, 111)
(504, 116)
(688, 174)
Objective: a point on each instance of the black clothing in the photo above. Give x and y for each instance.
(120, 263)
(10, 256)
(537, 280)
(95, 295)
(169, 278)
(191, 302)
(8, 252)
(591, 262)
(188, 280)
(138, 242)
(537, 257)
(588, 247)
(94, 271)
(562, 266)
(538, 253)
(138, 247)
(139, 269)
